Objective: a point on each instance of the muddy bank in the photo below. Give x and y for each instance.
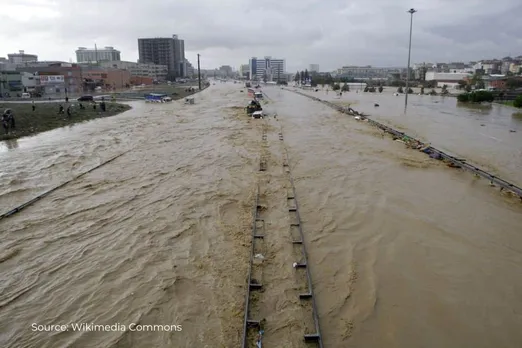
(45, 117)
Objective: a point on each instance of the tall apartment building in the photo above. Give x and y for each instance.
(271, 69)
(21, 57)
(91, 55)
(164, 51)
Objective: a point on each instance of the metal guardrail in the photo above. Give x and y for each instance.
(37, 198)
(248, 322)
(432, 151)
(309, 295)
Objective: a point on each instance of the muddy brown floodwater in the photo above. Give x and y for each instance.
(404, 252)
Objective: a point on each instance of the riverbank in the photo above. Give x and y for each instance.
(46, 117)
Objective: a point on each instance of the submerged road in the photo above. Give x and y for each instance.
(403, 251)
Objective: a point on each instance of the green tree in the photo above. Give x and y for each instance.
(468, 88)
(513, 83)
(422, 90)
(381, 89)
(297, 77)
(444, 89)
(476, 97)
(345, 88)
(400, 90)
(336, 87)
(518, 102)
(306, 75)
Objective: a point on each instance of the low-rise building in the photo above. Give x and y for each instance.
(30, 81)
(21, 57)
(10, 83)
(141, 80)
(450, 79)
(61, 77)
(367, 72)
(515, 68)
(107, 78)
(154, 71)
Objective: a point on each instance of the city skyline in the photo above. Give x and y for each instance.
(359, 33)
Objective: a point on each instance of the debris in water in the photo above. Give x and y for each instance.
(294, 265)
(259, 339)
(259, 256)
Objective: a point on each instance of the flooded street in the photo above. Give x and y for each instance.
(404, 252)
(481, 134)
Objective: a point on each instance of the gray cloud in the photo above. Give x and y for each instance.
(332, 33)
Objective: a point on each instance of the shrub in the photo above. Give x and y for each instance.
(336, 87)
(463, 98)
(518, 102)
(345, 88)
(476, 97)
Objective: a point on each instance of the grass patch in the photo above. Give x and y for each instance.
(46, 117)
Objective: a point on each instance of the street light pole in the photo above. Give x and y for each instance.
(411, 12)
(199, 74)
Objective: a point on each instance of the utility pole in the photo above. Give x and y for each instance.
(411, 12)
(199, 74)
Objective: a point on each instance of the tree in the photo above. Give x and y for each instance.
(468, 88)
(265, 77)
(513, 83)
(444, 89)
(462, 84)
(297, 77)
(305, 76)
(518, 102)
(422, 90)
(476, 97)
(345, 88)
(381, 89)
(336, 87)
(400, 90)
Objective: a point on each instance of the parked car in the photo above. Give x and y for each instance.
(86, 98)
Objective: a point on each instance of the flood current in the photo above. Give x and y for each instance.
(404, 251)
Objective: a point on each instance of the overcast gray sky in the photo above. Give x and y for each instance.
(331, 33)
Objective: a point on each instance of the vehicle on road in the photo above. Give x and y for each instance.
(86, 98)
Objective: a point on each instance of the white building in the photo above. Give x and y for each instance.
(158, 72)
(30, 81)
(450, 79)
(21, 57)
(268, 67)
(314, 68)
(91, 55)
(366, 72)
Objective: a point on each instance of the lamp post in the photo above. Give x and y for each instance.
(199, 74)
(411, 12)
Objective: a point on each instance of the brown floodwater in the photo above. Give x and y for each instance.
(404, 252)
(487, 135)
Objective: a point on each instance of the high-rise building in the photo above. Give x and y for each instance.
(268, 68)
(314, 68)
(21, 57)
(92, 55)
(164, 51)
